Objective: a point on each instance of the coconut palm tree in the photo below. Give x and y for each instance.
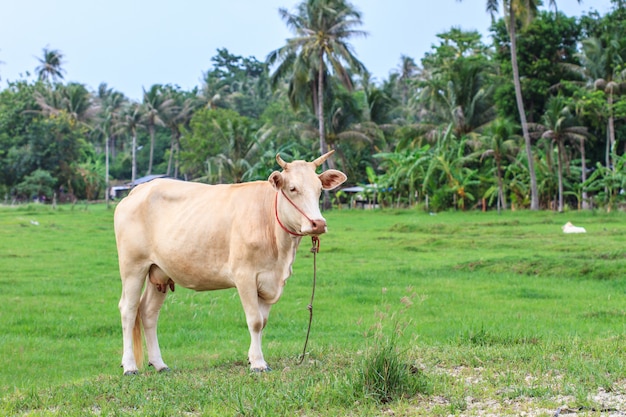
(524, 10)
(73, 99)
(50, 63)
(461, 94)
(79, 102)
(511, 9)
(181, 111)
(600, 63)
(405, 75)
(559, 125)
(132, 120)
(381, 106)
(156, 106)
(110, 104)
(457, 85)
(350, 133)
(238, 138)
(499, 142)
(319, 47)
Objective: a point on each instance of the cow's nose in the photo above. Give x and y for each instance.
(318, 226)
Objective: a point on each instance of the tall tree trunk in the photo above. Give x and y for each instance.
(534, 194)
(560, 150)
(501, 200)
(320, 108)
(106, 170)
(113, 146)
(134, 163)
(607, 150)
(177, 150)
(169, 161)
(583, 174)
(151, 128)
(322, 129)
(610, 144)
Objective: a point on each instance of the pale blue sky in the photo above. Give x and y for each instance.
(131, 44)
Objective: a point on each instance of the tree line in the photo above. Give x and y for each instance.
(531, 120)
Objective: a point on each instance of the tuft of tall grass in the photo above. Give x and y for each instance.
(387, 373)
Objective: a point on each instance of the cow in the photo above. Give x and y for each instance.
(570, 228)
(210, 237)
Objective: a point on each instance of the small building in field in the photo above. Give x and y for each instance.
(122, 190)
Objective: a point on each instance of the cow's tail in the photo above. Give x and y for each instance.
(138, 342)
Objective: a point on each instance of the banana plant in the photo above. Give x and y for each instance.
(609, 182)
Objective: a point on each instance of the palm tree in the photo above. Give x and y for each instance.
(110, 106)
(600, 63)
(181, 111)
(500, 143)
(132, 119)
(524, 10)
(156, 106)
(238, 139)
(321, 28)
(456, 86)
(49, 68)
(405, 75)
(559, 125)
(461, 94)
(79, 102)
(350, 132)
(527, 8)
(380, 104)
(73, 99)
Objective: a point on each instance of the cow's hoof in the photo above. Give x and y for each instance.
(129, 373)
(260, 370)
(164, 370)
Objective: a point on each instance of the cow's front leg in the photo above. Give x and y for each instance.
(257, 312)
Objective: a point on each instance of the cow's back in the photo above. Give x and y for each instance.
(194, 232)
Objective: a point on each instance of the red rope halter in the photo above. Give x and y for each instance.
(296, 207)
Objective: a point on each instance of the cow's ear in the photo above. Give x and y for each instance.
(332, 178)
(276, 179)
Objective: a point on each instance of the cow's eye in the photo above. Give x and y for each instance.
(292, 189)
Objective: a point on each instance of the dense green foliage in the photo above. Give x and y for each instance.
(430, 133)
(414, 314)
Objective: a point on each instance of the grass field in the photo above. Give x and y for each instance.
(488, 314)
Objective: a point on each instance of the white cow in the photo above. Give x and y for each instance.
(211, 237)
(570, 228)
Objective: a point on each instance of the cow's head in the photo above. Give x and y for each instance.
(299, 189)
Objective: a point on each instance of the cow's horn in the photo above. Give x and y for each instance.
(280, 161)
(319, 161)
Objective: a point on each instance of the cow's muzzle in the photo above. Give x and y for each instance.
(318, 227)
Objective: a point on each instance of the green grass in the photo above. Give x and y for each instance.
(485, 311)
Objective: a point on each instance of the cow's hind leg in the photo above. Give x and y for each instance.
(257, 312)
(132, 283)
(151, 303)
